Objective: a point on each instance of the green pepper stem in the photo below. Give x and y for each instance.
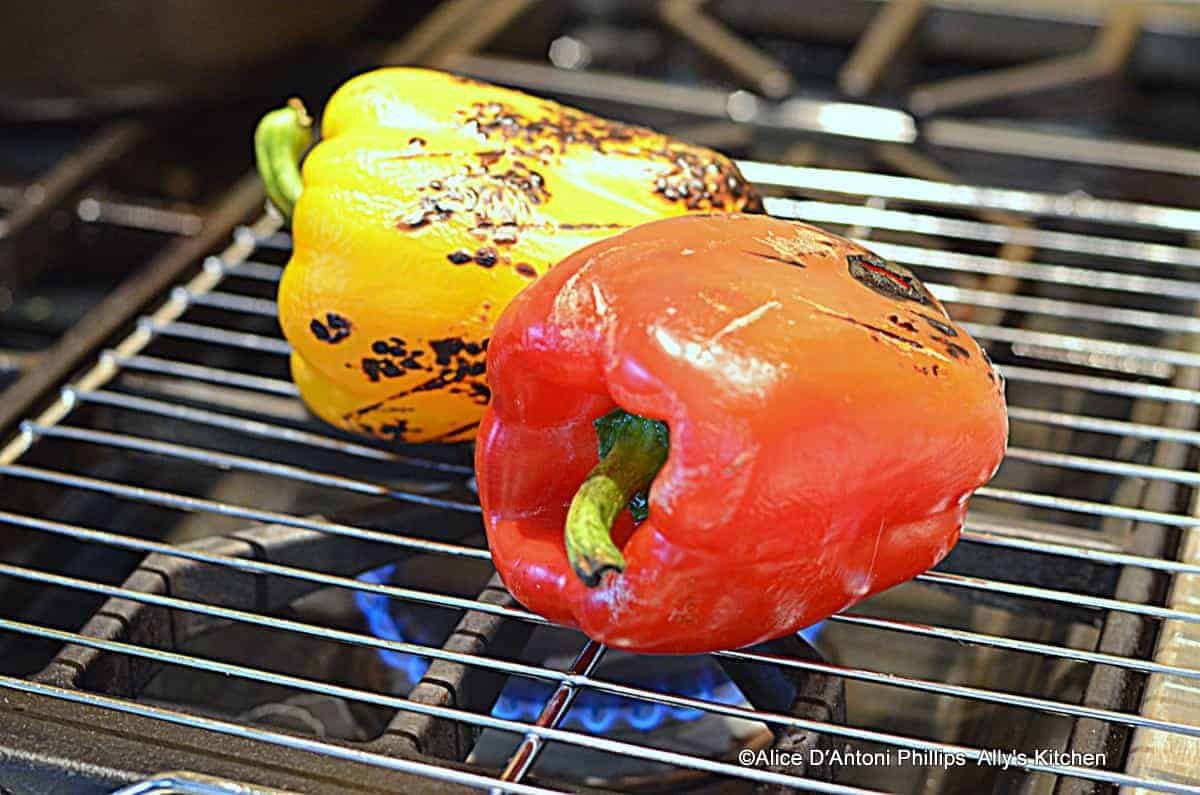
(279, 142)
(632, 450)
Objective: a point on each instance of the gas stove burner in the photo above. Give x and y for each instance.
(523, 699)
(695, 676)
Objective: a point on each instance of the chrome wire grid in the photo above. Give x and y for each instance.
(1105, 344)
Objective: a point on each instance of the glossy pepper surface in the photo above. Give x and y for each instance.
(431, 201)
(826, 423)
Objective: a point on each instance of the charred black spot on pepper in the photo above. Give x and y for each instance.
(394, 430)
(486, 257)
(992, 375)
(956, 351)
(938, 325)
(589, 227)
(333, 330)
(888, 279)
(526, 270)
(393, 346)
(903, 323)
(458, 361)
(371, 368)
(873, 328)
(412, 221)
(459, 257)
(480, 392)
(458, 369)
(374, 369)
(446, 348)
(884, 332)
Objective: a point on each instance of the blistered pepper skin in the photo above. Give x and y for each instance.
(429, 203)
(828, 422)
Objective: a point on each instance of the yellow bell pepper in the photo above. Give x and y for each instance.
(429, 203)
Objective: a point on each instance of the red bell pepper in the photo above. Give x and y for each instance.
(808, 420)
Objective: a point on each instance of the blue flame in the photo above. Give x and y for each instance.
(383, 624)
(523, 699)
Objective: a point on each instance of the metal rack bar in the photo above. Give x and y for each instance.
(218, 336)
(215, 375)
(1063, 597)
(182, 502)
(1090, 345)
(1089, 278)
(1087, 507)
(1003, 536)
(1084, 422)
(260, 429)
(232, 302)
(1024, 202)
(1104, 465)
(554, 712)
(1092, 383)
(841, 214)
(1071, 310)
(210, 457)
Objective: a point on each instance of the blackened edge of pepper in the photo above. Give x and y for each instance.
(887, 279)
(939, 325)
